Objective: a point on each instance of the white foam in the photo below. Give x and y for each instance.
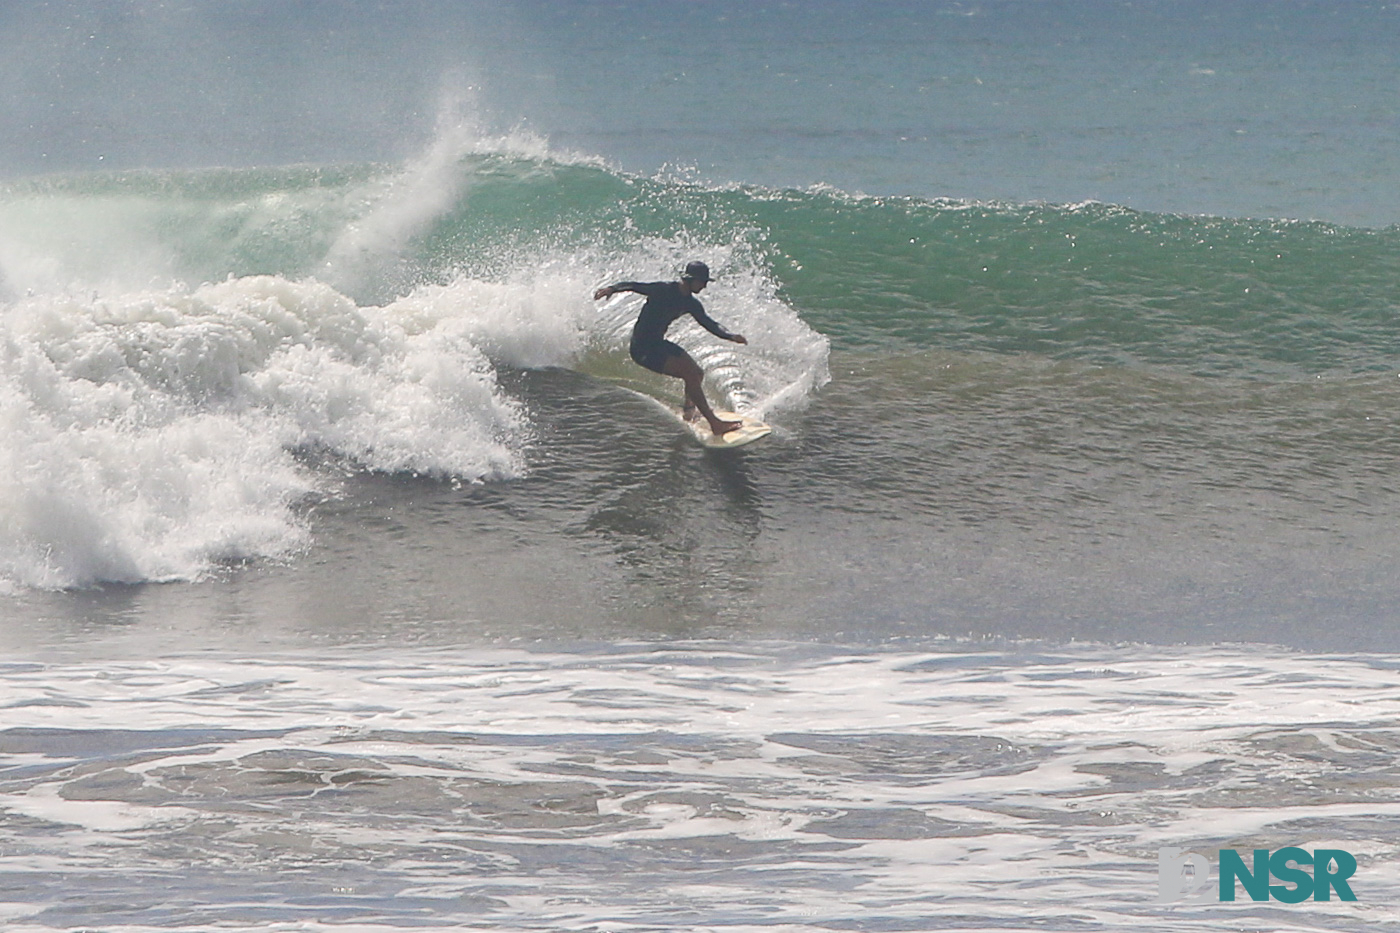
(150, 435)
(536, 317)
(778, 780)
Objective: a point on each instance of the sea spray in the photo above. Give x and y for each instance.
(372, 252)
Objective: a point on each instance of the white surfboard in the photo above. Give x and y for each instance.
(749, 431)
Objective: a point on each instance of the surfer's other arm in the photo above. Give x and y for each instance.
(713, 326)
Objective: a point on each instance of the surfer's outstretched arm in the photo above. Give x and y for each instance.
(610, 290)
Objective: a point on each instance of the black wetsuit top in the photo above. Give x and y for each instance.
(665, 303)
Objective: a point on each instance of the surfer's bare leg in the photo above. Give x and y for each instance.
(682, 367)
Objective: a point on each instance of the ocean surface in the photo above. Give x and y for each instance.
(352, 577)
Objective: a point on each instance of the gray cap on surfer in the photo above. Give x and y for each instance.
(666, 302)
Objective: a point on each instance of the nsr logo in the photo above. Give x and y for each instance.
(1183, 875)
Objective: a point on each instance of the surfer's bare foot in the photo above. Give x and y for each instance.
(690, 412)
(724, 427)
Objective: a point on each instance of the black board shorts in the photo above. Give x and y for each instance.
(654, 353)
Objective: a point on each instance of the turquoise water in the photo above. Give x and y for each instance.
(351, 579)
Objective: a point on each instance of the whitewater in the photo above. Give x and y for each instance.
(353, 579)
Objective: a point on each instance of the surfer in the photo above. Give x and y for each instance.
(667, 301)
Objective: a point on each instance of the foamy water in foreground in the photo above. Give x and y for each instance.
(685, 788)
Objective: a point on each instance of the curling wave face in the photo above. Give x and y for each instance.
(358, 316)
(374, 315)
